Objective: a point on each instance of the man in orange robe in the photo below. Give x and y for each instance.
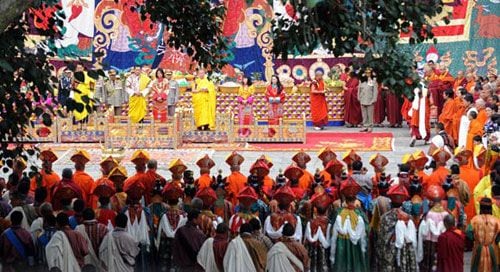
(378, 162)
(475, 128)
(236, 181)
(446, 116)
(481, 115)
(460, 81)
(268, 181)
(107, 165)
(80, 177)
(439, 175)
(319, 107)
(47, 178)
(150, 180)
(139, 158)
(458, 111)
(470, 175)
(326, 155)
(301, 159)
(469, 86)
(205, 180)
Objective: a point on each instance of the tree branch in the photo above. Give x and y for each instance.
(11, 10)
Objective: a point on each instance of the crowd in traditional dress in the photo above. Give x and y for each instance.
(339, 218)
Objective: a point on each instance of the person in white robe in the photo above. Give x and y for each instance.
(60, 254)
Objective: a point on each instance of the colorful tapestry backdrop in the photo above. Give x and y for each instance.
(121, 40)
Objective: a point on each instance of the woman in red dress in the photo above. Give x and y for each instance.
(159, 88)
(275, 96)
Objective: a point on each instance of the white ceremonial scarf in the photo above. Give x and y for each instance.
(206, 256)
(168, 229)
(276, 234)
(139, 229)
(319, 235)
(280, 259)
(405, 233)
(60, 254)
(237, 258)
(355, 235)
(24, 223)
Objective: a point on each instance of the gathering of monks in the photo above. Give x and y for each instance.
(339, 218)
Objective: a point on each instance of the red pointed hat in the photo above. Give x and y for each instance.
(247, 196)
(172, 191)
(104, 188)
(326, 154)
(378, 161)
(420, 159)
(284, 195)
(435, 192)
(235, 159)
(65, 191)
(267, 160)
(462, 155)
(349, 187)
(293, 172)
(301, 157)
(205, 163)
(48, 155)
(441, 156)
(134, 188)
(334, 168)
(350, 156)
(208, 196)
(398, 193)
(108, 164)
(321, 199)
(260, 169)
(177, 167)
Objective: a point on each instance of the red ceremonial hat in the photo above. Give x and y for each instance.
(134, 188)
(462, 156)
(260, 169)
(435, 192)
(378, 162)
(247, 196)
(349, 187)
(140, 157)
(301, 157)
(293, 172)
(205, 163)
(172, 191)
(64, 191)
(104, 187)
(108, 164)
(441, 156)
(350, 156)
(80, 156)
(326, 154)
(267, 160)
(334, 168)
(398, 193)
(235, 159)
(284, 195)
(208, 196)
(321, 199)
(420, 159)
(48, 155)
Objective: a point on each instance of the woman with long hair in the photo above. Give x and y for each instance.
(275, 96)
(245, 105)
(159, 89)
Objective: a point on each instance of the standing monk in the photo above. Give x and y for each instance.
(393, 109)
(420, 115)
(319, 107)
(450, 247)
(302, 158)
(352, 112)
(379, 110)
(80, 177)
(139, 158)
(475, 129)
(460, 81)
(205, 164)
(107, 165)
(236, 181)
(447, 114)
(204, 99)
(326, 155)
(458, 110)
(468, 102)
(48, 179)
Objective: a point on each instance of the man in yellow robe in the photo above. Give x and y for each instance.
(137, 88)
(204, 102)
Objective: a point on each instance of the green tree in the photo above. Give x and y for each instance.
(372, 28)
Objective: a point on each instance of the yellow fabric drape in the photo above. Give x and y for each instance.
(144, 81)
(246, 92)
(85, 88)
(137, 108)
(204, 103)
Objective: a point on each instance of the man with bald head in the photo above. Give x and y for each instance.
(459, 81)
(204, 100)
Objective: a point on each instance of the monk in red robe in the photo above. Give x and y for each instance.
(405, 110)
(301, 159)
(434, 83)
(268, 181)
(205, 164)
(80, 177)
(352, 107)
(150, 181)
(378, 162)
(326, 155)
(450, 247)
(236, 181)
(393, 108)
(139, 158)
(47, 178)
(107, 165)
(446, 117)
(319, 107)
(470, 176)
(67, 189)
(380, 106)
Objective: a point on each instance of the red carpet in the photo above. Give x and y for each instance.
(338, 141)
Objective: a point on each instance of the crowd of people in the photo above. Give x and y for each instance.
(339, 218)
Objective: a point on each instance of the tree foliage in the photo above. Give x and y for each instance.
(372, 28)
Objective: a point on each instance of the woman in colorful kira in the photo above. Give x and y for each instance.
(159, 89)
(275, 96)
(245, 105)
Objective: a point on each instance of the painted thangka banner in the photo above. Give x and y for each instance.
(117, 38)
